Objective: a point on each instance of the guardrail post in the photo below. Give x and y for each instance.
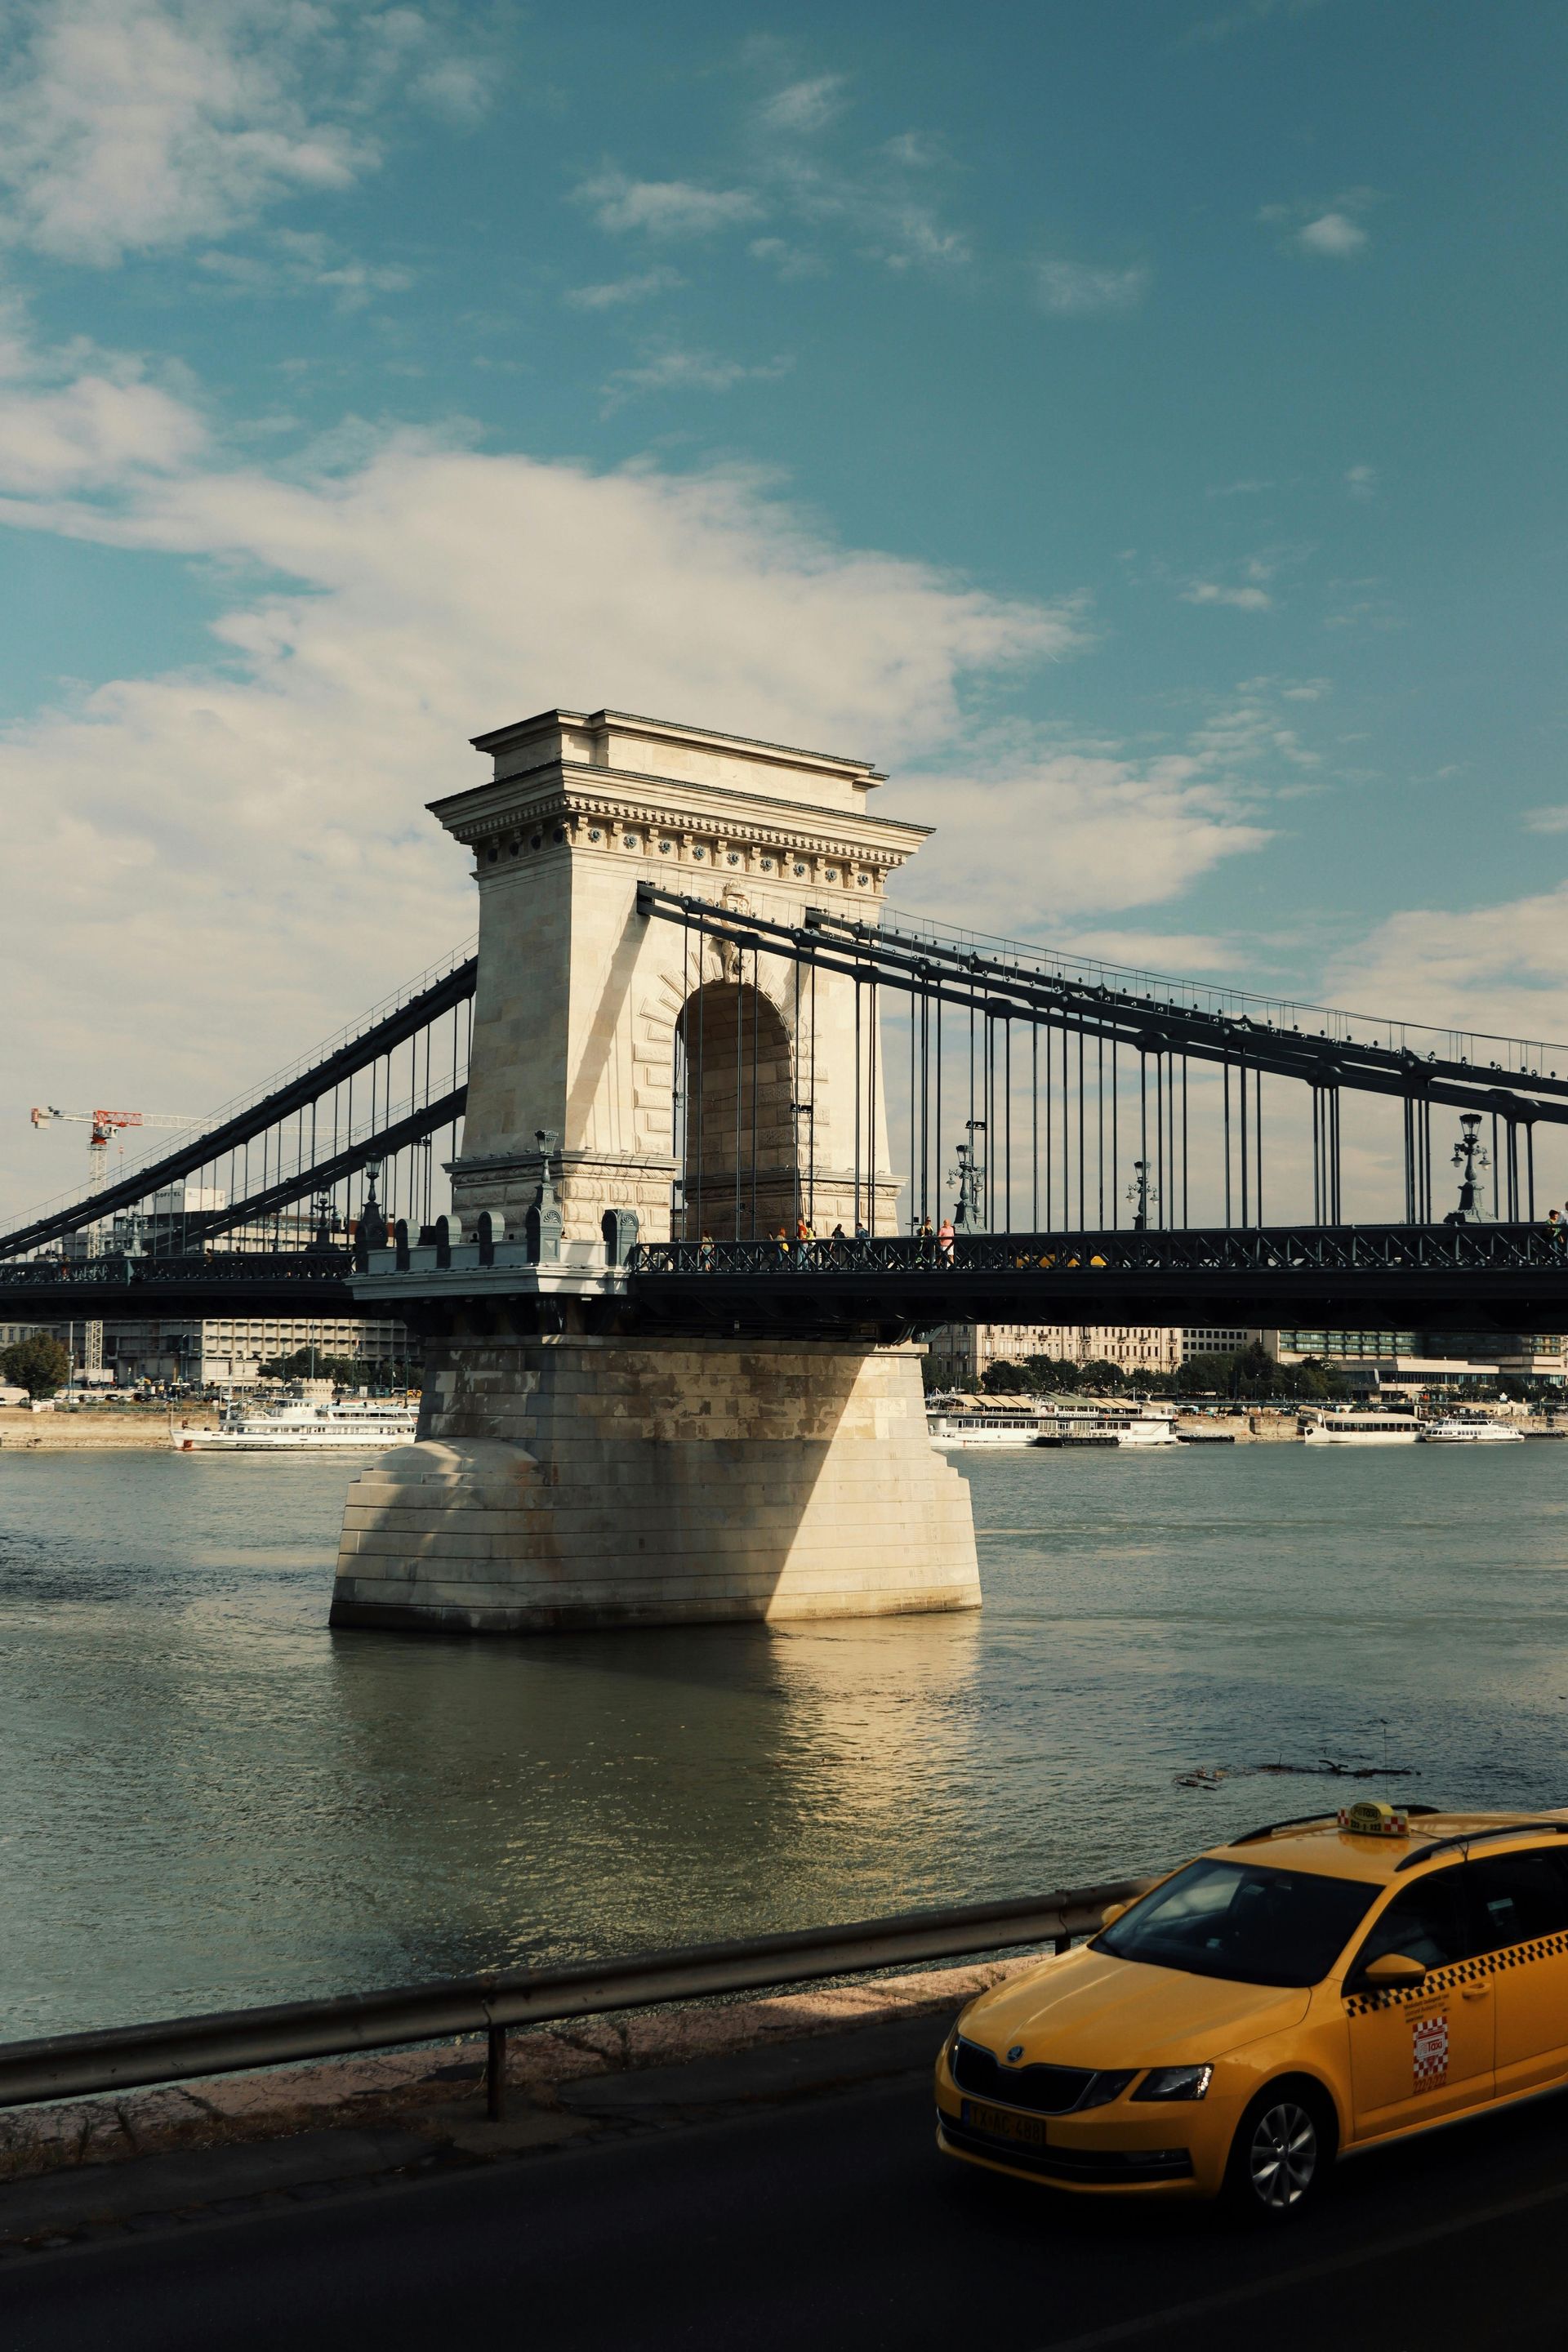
(495, 2073)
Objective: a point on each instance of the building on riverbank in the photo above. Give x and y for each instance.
(961, 1353)
(220, 1351)
(228, 1351)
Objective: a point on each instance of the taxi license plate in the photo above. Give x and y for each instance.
(1003, 2124)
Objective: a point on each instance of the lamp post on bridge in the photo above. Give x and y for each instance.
(1142, 1195)
(1470, 1157)
(970, 1177)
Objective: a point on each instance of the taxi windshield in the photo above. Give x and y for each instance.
(1242, 1921)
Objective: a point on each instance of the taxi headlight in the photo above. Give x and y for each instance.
(1104, 2087)
(1175, 2083)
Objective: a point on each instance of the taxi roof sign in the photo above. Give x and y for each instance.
(1370, 1817)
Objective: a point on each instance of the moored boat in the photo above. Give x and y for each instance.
(369, 1425)
(1362, 1429)
(957, 1426)
(1470, 1429)
(1148, 1425)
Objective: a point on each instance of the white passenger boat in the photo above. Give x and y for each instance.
(958, 1427)
(1470, 1429)
(1362, 1429)
(367, 1424)
(1148, 1425)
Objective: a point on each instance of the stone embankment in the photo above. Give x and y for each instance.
(93, 1429)
(1242, 1428)
(436, 2093)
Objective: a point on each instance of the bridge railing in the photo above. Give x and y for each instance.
(118, 1271)
(1196, 1249)
(129, 2057)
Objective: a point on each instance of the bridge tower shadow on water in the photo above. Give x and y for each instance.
(637, 1077)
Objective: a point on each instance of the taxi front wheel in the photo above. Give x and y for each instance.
(1281, 2153)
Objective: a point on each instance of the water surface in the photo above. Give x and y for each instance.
(209, 1799)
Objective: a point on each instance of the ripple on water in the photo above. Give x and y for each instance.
(212, 1799)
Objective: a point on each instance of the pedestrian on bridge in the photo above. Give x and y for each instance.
(945, 1238)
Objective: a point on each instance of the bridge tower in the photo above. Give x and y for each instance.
(627, 1075)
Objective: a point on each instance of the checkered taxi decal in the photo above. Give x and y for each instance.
(1438, 1981)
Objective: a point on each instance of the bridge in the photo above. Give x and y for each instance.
(1361, 1278)
(706, 1102)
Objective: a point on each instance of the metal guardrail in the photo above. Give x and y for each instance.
(1242, 1249)
(134, 2057)
(117, 1271)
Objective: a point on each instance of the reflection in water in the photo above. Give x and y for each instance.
(212, 1799)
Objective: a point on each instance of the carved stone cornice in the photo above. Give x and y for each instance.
(564, 806)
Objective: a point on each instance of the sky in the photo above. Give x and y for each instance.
(1133, 424)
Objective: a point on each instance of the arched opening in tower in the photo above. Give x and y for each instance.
(738, 1147)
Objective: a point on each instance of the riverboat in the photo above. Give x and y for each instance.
(958, 1427)
(1137, 1431)
(367, 1424)
(1362, 1429)
(1470, 1429)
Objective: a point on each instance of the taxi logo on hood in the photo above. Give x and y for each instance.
(1016, 2052)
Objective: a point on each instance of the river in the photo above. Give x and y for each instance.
(211, 1800)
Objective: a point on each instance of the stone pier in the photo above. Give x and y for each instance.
(575, 1483)
(629, 1076)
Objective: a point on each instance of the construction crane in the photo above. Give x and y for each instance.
(103, 1126)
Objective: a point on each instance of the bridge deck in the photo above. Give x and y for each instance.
(1433, 1278)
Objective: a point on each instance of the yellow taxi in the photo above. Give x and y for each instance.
(1311, 1989)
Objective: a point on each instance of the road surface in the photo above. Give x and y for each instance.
(805, 2213)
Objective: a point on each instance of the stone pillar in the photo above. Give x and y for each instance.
(576, 1482)
(590, 1019)
(624, 1066)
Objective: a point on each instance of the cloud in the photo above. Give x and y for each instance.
(1334, 235)
(788, 260)
(912, 151)
(1360, 481)
(1029, 845)
(249, 836)
(1360, 605)
(669, 367)
(77, 422)
(1163, 951)
(642, 288)
(296, 262)
(1325, 232)
(1501, 968)
(1212, 592)
(1545, 820)
(131, 125)
(804, 108)
(1077, 288)
(665, 207)
(867, 196)
(1242, 489)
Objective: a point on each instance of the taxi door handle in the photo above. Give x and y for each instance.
(1474, 1992)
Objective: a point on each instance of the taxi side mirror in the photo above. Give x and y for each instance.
(1113, 1911)
(1390, 1970)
